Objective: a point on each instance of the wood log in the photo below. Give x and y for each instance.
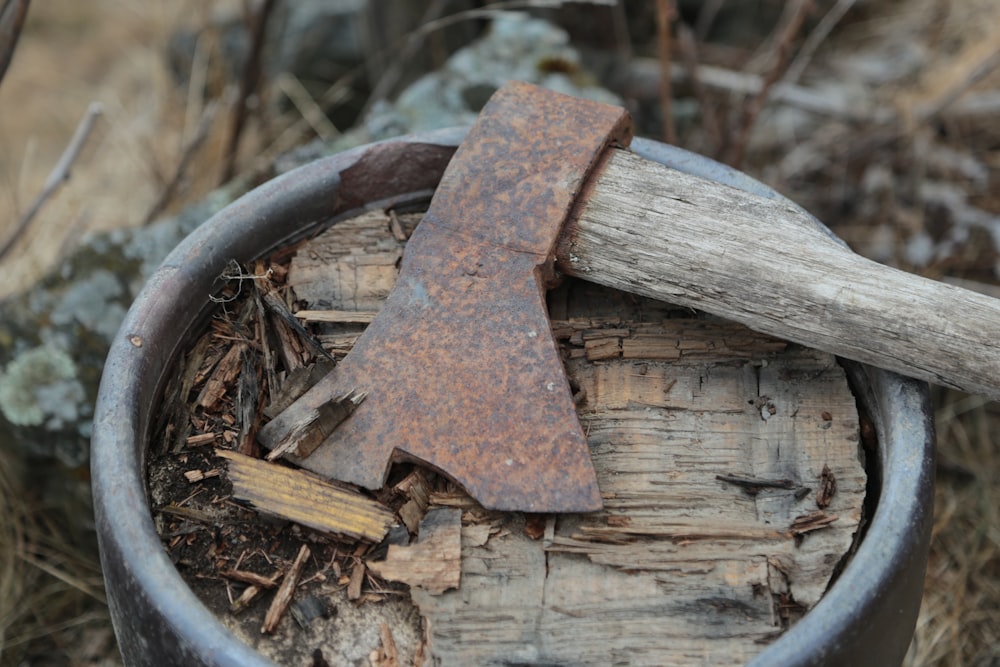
(651, 230)
(681, 567)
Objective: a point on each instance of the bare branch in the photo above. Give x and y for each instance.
(815, 38)
(59, 175)
(665, 13)
(249, 83)
(12, 15)
(689, 53)
(753, 106)
(188, 152)
(416, 38)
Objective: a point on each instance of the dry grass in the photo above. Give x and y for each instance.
(110, 51)
(959, 623)
(70, 55)
(52, 603)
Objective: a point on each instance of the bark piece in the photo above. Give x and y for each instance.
(827, 487)
(434, 562)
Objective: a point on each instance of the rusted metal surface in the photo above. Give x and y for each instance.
(460, 367)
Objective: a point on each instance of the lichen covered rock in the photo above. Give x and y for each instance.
(55, 336)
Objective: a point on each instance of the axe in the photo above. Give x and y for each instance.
(460, 369)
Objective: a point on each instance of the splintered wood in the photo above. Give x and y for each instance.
(304, 498)
(433, 563)
(681, 566)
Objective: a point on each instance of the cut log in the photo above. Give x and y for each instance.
(684, 565)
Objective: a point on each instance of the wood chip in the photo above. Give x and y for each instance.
(249, 594)
(356, 580)
(434, 562)
(417, 487)
(247, 395)
(279, 309)
(193, 476)
(284, 595)
(200, 439)
(411, 514)
(337, 316)
(827, 488)
(396, 228)
(807, 523)
(225, 373)
(306, 499)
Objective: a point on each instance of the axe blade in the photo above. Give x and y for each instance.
(460, 368)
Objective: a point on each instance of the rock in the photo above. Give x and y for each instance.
(54, 337)
(318, 42)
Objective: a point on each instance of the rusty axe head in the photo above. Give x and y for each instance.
(460, 368)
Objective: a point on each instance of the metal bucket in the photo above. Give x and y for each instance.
(866, 618)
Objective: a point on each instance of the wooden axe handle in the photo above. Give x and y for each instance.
(651, 230)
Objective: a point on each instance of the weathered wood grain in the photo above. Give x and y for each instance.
(655, 231)
(680, 567)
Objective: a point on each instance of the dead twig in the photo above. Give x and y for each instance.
(284, 595)
(707, 13)
(689, 52)
(752, 106)
(313, 114)
(187, 154)
(415, 40)
(665, 13)
(390, 77)
(12, 16)
(966, 76)
(249, 83)
(641, 79)
(57, 177)
(815, 38)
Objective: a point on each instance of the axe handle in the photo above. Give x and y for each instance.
(651, 230)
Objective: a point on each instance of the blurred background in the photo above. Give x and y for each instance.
(880, 117)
